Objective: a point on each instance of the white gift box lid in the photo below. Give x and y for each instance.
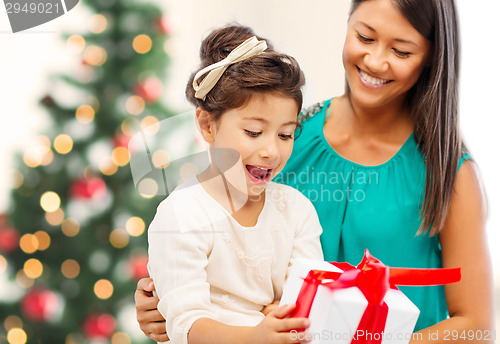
(335, 315)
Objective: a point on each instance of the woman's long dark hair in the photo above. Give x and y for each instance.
(433, 104)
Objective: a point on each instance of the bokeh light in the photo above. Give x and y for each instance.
(12, 321)
(28, 243)
(72, 339)
(33, 268)
(170, 47)
(99, 261)
(50, 201)
(23, 280)
(142, 44)
(70, 268)
(103, 289)
(120, 156)
(148, 188)
(3, 264)
(31, 160)
(150, 121)
(120, 338)
(75, 44)
(47, 158)
(161, 158)
(98, 23)
(43, 240)
(107, 167)
(55, 218)
(135, 105)
(95, 55)
(63, 144)
(128, 125)
(16, 336)
(70, 227)
(36, 153)
(18, 179)
(85, 114)
(119, 238)
(135, 226)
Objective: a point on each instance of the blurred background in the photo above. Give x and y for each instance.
(72, 93)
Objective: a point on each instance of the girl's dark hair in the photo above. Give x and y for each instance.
(433, 104)
(269, 71)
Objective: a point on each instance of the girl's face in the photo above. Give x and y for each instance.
(262, 133)
(383, 54)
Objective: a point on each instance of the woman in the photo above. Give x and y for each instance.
(386, 169)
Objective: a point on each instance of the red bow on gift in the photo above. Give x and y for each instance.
(373, 279)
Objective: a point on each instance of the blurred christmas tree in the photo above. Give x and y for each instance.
(73, 242)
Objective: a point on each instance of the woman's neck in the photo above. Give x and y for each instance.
(388, 121)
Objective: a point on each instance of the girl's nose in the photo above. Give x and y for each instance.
(269, 149)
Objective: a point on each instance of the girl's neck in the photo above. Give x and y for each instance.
(243, 208)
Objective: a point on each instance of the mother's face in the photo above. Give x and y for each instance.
(383, 54)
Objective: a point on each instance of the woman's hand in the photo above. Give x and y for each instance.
(150, 320)
(271, 307)
(276, 328)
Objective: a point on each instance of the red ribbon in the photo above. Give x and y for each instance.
(374, 279)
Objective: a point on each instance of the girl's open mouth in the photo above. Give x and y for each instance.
(259, 175)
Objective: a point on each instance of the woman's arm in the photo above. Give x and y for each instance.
(464, 244)
(150, 319)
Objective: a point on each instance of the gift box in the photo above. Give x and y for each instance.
(361, 304)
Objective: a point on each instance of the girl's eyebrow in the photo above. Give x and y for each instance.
(260, 119)
(396, 39)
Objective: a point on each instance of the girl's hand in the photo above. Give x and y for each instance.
(271, 307)
(150, 320)
(276, 329)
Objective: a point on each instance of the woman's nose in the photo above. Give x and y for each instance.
(376, 60)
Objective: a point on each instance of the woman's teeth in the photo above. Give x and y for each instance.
(372, 80)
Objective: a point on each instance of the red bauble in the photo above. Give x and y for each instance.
(9, 238)
(41, 305)
(149, 89)
(138, 267)
(88, 188)
(121, 140)
(99, 326)
(162, 25)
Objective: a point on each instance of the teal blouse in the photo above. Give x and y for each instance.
(368, 207)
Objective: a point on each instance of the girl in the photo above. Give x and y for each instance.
(221, 244)
(387, 168)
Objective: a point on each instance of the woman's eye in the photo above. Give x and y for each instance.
(364, 39)
(252, 133)
(285, 136)
(402, 53)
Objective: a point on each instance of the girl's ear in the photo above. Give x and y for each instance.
(206, 124)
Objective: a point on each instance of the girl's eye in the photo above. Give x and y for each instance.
(252, 133)
(364, 39)
(402, 53)
(285, 136)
